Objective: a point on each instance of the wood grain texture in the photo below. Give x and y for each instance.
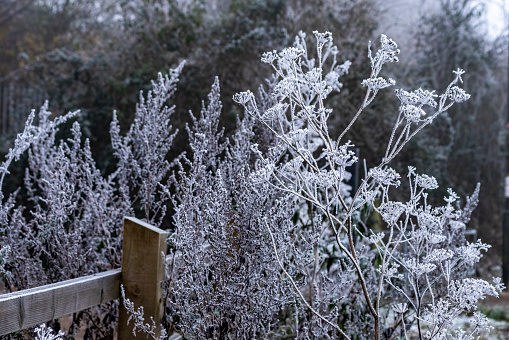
(31, 307)
(144, 250)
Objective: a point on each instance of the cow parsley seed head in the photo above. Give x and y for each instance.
(378, 83)
(412, 113)
(418, 97)
(297, 137)
(274, 112)
(426, 182)
(417, 268)
(290, 53)
(389, 49)
(387, 176)
(46, 333)
(439, 255)
(427, 221)
(313, 75)
(343, 156)
(269, 57)
(456, 225)
(400, 308)
(376, 238)
(391, 211)
(480, 323)
(388, 52)
(457, 94)
(243, 98)
(284, 89)
(323, 38)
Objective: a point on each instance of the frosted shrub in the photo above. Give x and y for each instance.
(143, 171)
(415, 268)
(71, 224)
(223, 280)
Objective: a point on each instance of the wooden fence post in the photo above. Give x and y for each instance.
(142, 272)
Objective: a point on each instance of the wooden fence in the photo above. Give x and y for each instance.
(16, 102)
(144, 248)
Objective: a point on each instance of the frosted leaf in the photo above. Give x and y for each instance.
(471, 252)
(332, 81)
(466, 292)
(453, 197)
(343, 68)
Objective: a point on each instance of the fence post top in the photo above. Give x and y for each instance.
(144, 224)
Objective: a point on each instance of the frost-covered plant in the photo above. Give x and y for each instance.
(65, 228)
(269, 240)
(223, 281)
(422, 248)
(45, 333)
(136, 315)
(142, 166)
(70, 225)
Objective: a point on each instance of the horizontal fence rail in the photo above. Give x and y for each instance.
(141, 274)
(31, 307)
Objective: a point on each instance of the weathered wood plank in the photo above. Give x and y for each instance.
(31, 307)
(142, 271)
